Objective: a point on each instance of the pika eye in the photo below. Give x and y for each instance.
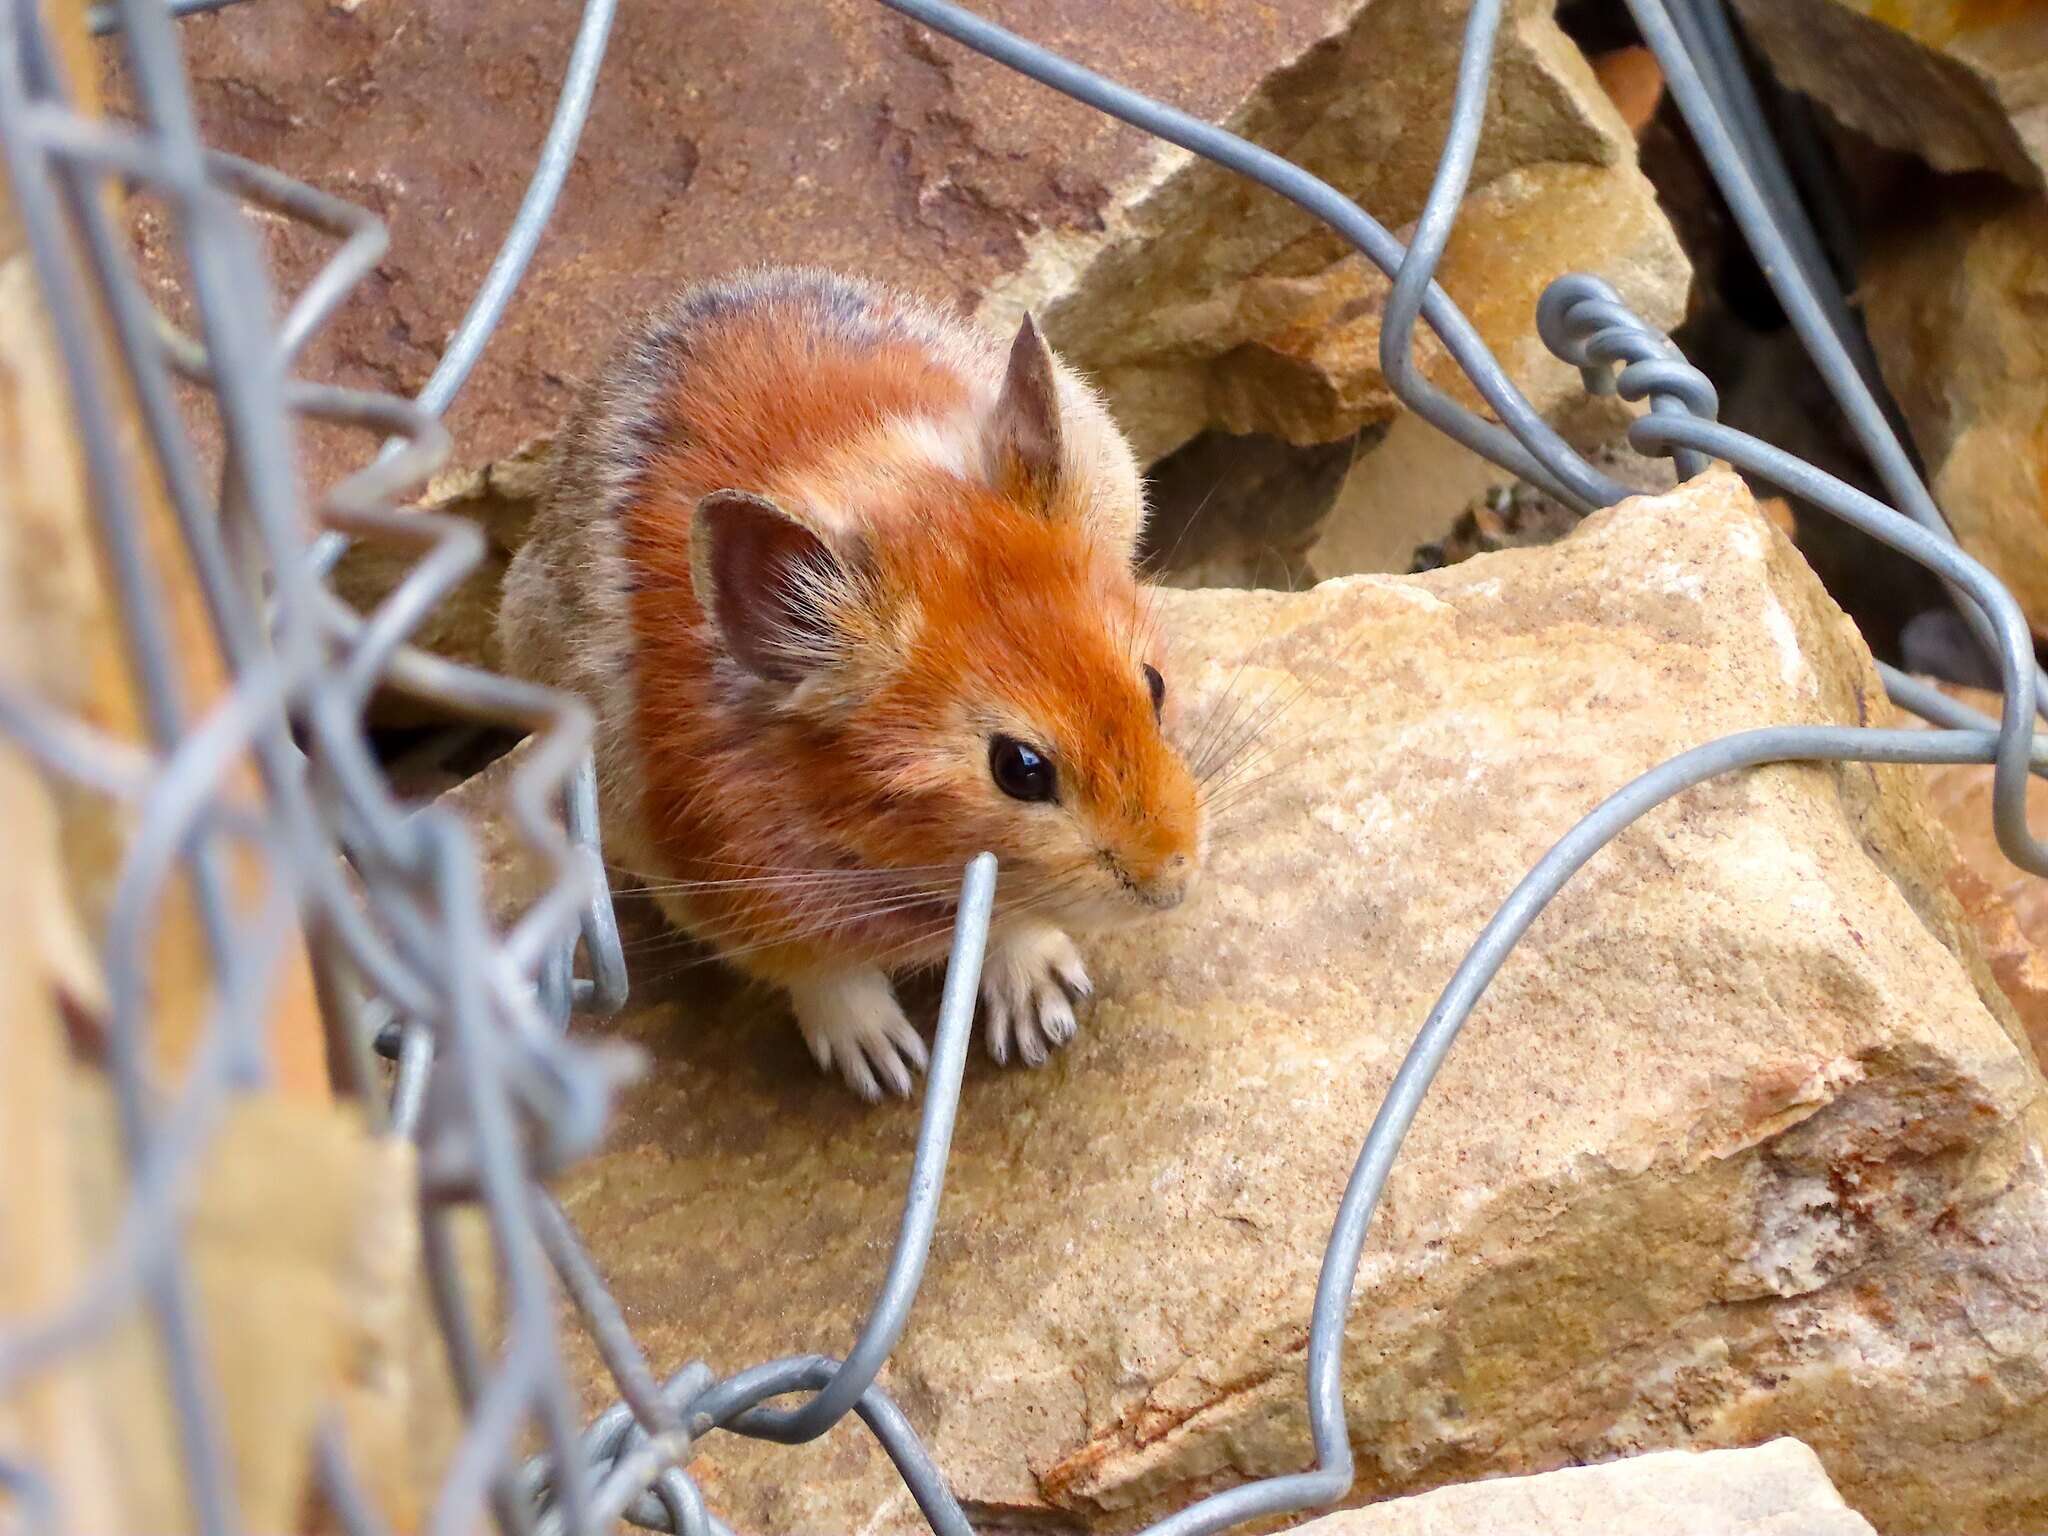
(1157, 684)
(1021, 772)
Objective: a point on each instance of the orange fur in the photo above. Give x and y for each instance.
(980, 607)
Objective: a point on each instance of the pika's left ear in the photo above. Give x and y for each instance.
(1024, 437)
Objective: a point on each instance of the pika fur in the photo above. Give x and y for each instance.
(849, 585)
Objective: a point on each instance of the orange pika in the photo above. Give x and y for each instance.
(850, 587)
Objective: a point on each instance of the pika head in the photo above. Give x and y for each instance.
(949, 627)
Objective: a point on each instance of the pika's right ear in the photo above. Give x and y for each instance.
(1024, 431)
(768, 584)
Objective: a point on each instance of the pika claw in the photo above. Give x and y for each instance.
(1056, 1020)
(1030, 986)
(851, 1019)
(998, 1023)
(1075, 983)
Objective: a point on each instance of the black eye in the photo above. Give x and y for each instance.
(1157, 684)
(1021, 772)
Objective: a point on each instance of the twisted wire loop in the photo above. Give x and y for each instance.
(389, 896)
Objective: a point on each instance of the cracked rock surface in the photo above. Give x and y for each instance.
(1743, 1142)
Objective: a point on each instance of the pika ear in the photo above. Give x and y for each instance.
(1024, 431)
(768, 584)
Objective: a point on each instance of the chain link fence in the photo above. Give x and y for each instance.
(387, 897)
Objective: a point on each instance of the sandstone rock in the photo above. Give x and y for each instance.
(63, 639)
(301, 1240)
(1958, 311)
(1228, 511)
(1404, 494)
(1421, 496)
(1743, 1142)
(1309, 371)
(1778, 1489)
(1963, 85)
(53, 1421)
(1777, 512)
(499, 498)
(859, 141)
(293, 1229)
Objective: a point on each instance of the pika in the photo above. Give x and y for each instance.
(850, 584)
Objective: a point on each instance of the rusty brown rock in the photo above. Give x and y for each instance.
(1778, 1489)
(854, 139)
(1743, 1141)
(1961, 83)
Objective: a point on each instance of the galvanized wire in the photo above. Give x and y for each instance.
(105, 18)
(487, 1083)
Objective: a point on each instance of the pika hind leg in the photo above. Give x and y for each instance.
(1030, 983)
(851, 1020)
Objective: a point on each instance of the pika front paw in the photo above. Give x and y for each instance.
(1031, 983)
(852, 1021)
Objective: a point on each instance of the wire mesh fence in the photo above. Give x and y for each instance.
(387, 897)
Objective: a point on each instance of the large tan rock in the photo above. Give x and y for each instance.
(1398, 498)
(1241, 511)
(1958, 311)
(1301, 355)
(859, 141)
(1961, 83)
(1778, 1489)
(1743, 1142)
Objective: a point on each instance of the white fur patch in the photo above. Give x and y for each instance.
(951, 444)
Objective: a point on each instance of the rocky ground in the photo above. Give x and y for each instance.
(1749, 1141)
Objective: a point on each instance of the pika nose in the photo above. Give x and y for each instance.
(1170, 885)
